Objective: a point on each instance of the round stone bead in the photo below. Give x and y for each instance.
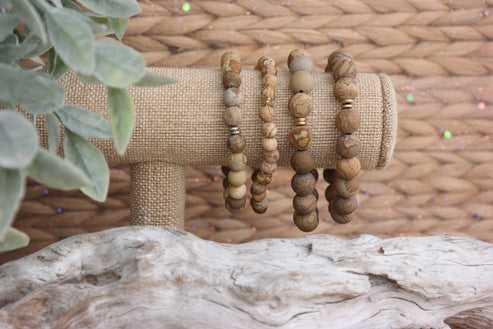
(269, 129)
(225, 170)
(346, 188)
(344, 69)
(236, 143)
(259, 207)
(295, 53)
(330, 192)
(267, 113)
(305, 204)
(227, 56)
(306, 223)
(301, 82)
(232, 116)
(231, 79)
(237, 192)
(269, 80)
(233, 210)
(272, 156)
(237, 178)
(268, 168)
(266, 65)
(269, 92)
(336, 57)
(348, 146)
(345, 88)
(257, 188)
(303, 184)
(270, 144)
(233, 97)
(302, 161)
(236, 203)
(301, 63)
(259, 197)
(300, 105)
(231, 65)
(263, 178)
(338, 218)
(254, 175)
(344, 206)
(348, 121)
(301, 137)
(237, 158)
(237, 165)
(348, 168)
(330, 175)
(314, 173)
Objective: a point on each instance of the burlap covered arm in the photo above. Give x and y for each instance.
(181, 124)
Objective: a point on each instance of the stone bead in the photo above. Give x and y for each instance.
(330, 192)
(270, 144)
(236, 203)
(301, 137)
(257, 188)
(344, 206)
(345, 88)
(228, 56)
(315, 193)
(233, 97)
(348, 121)
(304, 205)
(269, 80)
(226, 193)
(303, 184)
(344, 69)
(269, 92)
(272, 156)
(300, 105)
(231, 209)
(259, 197)
(338, 218)
(336, 57)
(306, 223)
(314, 173)
(348, 168)
(269, 129)
(346, 188)
(225, 170)
(302, 161)
(237, 192)
(301, 82)
(295, 53)
(263, 178)
(225, 183)
(231, 79)
(348, 146)
(268, 168)
(330, 175)
(237, 161)
(236, 143)
(259, 207)
(266, 65)
(267, 113)
(232, 116)
(231, 65)
(254, 175)
(237, 178)
(301, 63)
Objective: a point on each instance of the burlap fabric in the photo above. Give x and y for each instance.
(181, 124)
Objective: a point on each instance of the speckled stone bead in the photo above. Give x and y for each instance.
(303, 184)
(269, 92)
(259, 207)
(267, 114)
(240, 157)
(236, 143)
(300, 105)
(346, 188)
(237, 192)
(266, 65)
(259, 197)
(348, 146)
(231, 79)
(237, 165)
(269, 130)
(345, 88)
(348, 121)
(232, 116)
(228, 56)
(301, 82)
(295, 53)
(268, 168)
(237, 178)
(301, 63)
(330, 175)
(336, 57)
(348, 168)
(254, 175)
(302, 161)
(330, 192)
(338, 218)
(236, 203)
(269, 80)
(344, 69)
(272, 156)
(233, 210)
(306, 223)
(233, 97)
(301, 137)
(258, 188)
(305, 205)
(263, 178)
(270, 144)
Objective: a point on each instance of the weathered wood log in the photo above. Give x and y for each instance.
(151, 277)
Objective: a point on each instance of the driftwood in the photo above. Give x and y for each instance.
(151, 277)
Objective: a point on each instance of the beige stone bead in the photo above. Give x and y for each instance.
(330, 175)
(344, 68)
(267, 113)
(269, 80)
(303, 184)
(236, 204)
(301, 63)
(237, 178)
(269, 92)
(231, 79)
(266, 65)
(231, 65)
(259, 207)
(330, 192)
(301, 82)
(301, 137)
(233, 97)
(300, 105)
(236, 143)
(295, 53)
(345, 206)
(268, 168)
(259, 197)
(271, 156)
(348, 168)
(336, 57)
(232, 116)
(348, 146)
(270, 144)
(346, 188)
(305, 204)
(338, 218)
(306, 223)
(269, 129)
(302, 161)
(228, 56)
(237, 192)
(348, 121)
(345, 88)
(237, 161)
(258, 188)
(233, 210)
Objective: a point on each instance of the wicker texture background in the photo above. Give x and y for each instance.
(439, 55)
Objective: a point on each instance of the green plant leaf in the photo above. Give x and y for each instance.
(56, 66)
(14, 239)
(103, 23)
(18, 140)
(151, 79)
(89, 79)
(53, 171)
(72, 38)
(39, 48)
(16, 51)
(118, 26)
(28, 14)
(45, 94)
(92, 162)
(122, 114)
(113, 8)
(84, 122)
(71, 5)
(7, 23)
(11, 193)
(53, 132)
(118, 65)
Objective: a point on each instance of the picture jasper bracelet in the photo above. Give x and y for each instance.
(302, 161)
(234, 183)
(343, 187)
(263, 176)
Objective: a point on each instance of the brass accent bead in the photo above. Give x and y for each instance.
(300, 121)
(267, 101)
(347, 104)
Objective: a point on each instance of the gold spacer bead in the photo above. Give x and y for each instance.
(300, 121)
(347, 104)
(267, 101)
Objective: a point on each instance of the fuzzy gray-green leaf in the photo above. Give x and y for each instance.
(118, 25)
(53, 132)
(84, 122)
(7, 23)
(151, 79)
(56, 66)
(14, 239)
(29, 15)
(113, 8)
(11, 194)
(122, 113)
(91, 160)
(18, 140)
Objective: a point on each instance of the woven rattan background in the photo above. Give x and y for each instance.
(439, 55)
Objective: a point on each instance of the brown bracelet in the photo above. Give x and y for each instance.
(263, 176)
(302, 161)
(341, 193)
(234, 183)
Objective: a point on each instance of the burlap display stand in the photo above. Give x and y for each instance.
(181, 124)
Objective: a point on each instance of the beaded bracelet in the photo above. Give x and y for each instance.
(302, 161)
(234, 183)
(343, 187)
(262, 177)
